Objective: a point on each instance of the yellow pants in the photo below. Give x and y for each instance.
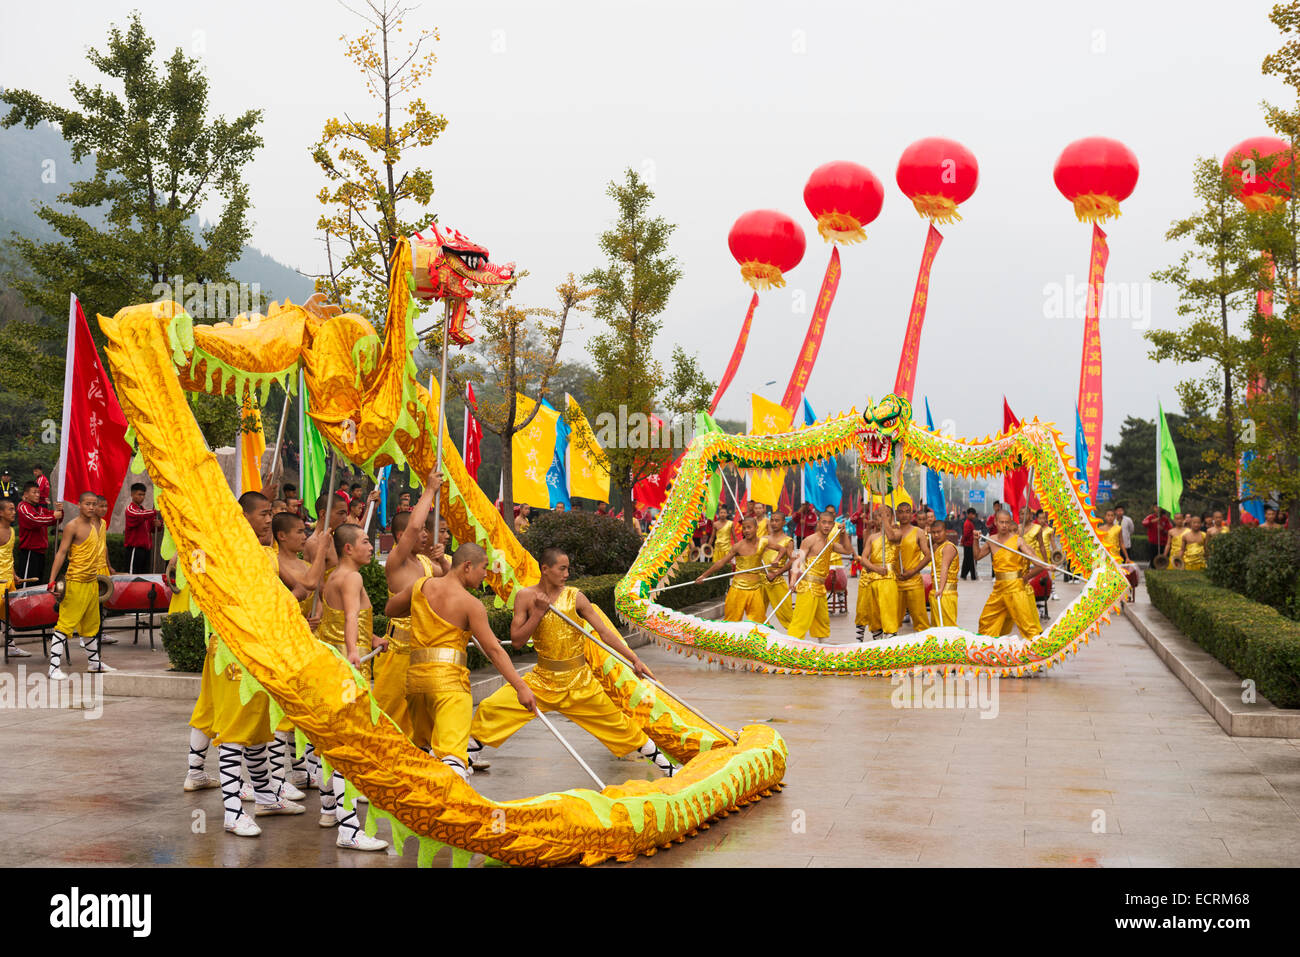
(440, 721)
(1012, 601)
(390, 687)
(584, 703)
(219, 713)
(888, 604)
(744, 603)
(811, 615)
(868, 615)
(948, 604)
(773, 593)
(911, 594)
(79, 610)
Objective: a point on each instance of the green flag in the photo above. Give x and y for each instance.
(311, 446)
(1169, 478)
(704, 424)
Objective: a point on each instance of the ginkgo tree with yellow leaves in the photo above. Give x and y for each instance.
(374, 191)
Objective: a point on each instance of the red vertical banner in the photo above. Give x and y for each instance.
(813, 340)
(736, 354)
(1090, 401)
(1015, 481)
(905, 381)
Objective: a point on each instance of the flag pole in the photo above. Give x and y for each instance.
(329, 510)
(279, 441)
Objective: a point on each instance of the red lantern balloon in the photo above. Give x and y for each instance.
(1096, 174)
(938, 175)
(843, 197)
(1259, 189)
(766, 244)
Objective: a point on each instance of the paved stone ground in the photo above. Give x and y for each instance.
(1108, 761)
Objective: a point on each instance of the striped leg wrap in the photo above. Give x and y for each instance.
(228, 766)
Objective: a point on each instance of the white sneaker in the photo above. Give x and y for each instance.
(100, 668)
(301, 780)
(107, 640)
(316, 781)
(244, 826)
(1055, 596)
(57, 674)
(279, 807)
(328, 819)
(289, 792)
(478, 765)
(246, 791)
(15, 652)
(362, 843)
(200, 780)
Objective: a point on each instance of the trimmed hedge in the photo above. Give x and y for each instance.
(595, 544)
(1262, 564)
(184, 642)
(1249, 637)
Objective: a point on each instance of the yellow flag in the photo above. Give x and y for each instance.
(588, 464)
(251, 446)
(532, 452)
(768, 418)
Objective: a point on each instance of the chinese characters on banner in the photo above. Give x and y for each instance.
(813, 340)
(736, 354)
(906, 379)
(1090, 403)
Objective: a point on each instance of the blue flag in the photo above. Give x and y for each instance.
(933, 481)
(557, 476)
(1081, 454)
(382, 507)
(821, 486)
(1251, 504)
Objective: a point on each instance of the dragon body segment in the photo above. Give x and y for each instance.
(882, 435)
(366, 400)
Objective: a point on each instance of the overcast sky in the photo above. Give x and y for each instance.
(728, 107)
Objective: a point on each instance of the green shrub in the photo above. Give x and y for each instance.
(595, 544)
(1249, 637)
(1262, 564)
(184, 641)
(1226, 556)
(376, 587)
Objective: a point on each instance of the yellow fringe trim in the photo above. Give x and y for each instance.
(940, 209)
(1095, 208)
(837, 227)
(762, 275)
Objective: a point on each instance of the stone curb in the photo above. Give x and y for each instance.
(1213, 684)
(152, 684)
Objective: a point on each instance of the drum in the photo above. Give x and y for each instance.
(132, 593)
(837, 580)
(929, 583)
(1042, 586)
(35, 607)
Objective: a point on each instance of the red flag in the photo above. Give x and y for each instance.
(784, 505)
(736, 354)
(905, 381)
(1013, 482)
(812, 342)
(94, 455)
(473, 435)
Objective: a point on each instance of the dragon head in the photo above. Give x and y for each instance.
(448, 266)
(879, 442)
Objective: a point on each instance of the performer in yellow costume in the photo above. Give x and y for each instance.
(1194, 546)
(880, 559)
(562, 680)
(943, 603)
(1112, 537)
(913, 556)
(1011, 597)
(82, 546)
(1174, 546)
(745, 596)
(721, 535)
(444, 614)
(242, 731)
(811, 615)
(347, 621)
(867, 616)
(777, 554)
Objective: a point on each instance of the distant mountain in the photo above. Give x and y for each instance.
(36, 166)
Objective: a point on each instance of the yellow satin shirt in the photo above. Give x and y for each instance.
(438, 650)
(750, 580)
(84, 557)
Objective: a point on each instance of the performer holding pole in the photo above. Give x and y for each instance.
(777, 557)
(745, 596)
(444, 614)
(811, 613)
(563, 680)
(913, 555)
(1012, 600)
(947, 565)
(880, 559)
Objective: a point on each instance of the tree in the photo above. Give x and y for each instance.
(519, 346)
(373, 196)
(1215, 277)
(158, 161)
(635, 285)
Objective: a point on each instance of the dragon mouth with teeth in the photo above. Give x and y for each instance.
(450, 267)
(878, 442)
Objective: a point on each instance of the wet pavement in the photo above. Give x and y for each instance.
(1107, 761)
